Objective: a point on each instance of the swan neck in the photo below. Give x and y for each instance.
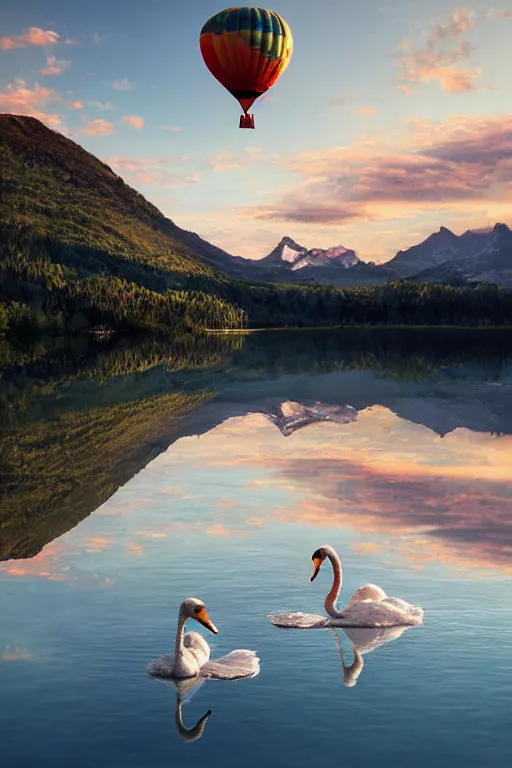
(180, 632)
(332, 597)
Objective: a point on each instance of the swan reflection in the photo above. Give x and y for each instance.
(184, 691)
(363, 640)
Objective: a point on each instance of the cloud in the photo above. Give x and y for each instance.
(122, 85)
(171, 128)
(134, 121)
(496, 13)
(465, 161)
(77, 104)
(224, 161)
(99, 127)
(54, 67)
(105, 106)
(441, 57)
(33, 36)
(155, 171)
(228, 161)
(19, 99)
(368, 111)
(342, 101)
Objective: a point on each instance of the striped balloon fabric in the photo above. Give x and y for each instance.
(246, 49)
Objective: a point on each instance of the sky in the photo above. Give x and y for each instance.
(391, 120)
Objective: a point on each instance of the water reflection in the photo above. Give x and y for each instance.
(363, 640)
(77, 421)
(290, 416)
(415, 490)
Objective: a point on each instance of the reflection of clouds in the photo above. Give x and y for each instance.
(226, 504)
(94, 544)
(450, 496)
(134, 550)
(15, 654)
(46, 564)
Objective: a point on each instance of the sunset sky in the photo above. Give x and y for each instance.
(392, 119)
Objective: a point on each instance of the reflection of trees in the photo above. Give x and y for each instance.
(63, 456)
(398, 353)
(119, 404)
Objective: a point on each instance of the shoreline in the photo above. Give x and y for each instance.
(246, 331)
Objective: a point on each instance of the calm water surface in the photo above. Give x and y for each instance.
(136, 474)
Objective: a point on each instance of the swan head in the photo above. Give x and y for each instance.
(193, 608)
(318, 557)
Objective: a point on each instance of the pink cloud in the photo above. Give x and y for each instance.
(19, 99)
(466, 160)
(99, 127)
(134, 121)
(77, 104)
(33, 36)
(54, 67)
(368, 111)
(171, 128)
(122, 85)
(496, 13)
(155, 171)
(440, 58)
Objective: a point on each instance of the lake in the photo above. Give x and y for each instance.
(136, 473)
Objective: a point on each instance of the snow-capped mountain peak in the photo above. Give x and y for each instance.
(289, 253)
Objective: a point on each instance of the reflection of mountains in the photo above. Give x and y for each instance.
(290, 416)
(77, 422)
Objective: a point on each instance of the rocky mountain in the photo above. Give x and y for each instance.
(483, 255)
(290, 255)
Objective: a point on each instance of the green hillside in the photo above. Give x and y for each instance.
(80, 248)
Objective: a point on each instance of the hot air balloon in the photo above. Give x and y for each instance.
(246, 49)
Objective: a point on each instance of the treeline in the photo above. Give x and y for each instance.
(38, 293)
(398, 303)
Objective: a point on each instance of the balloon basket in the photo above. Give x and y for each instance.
(246, 121)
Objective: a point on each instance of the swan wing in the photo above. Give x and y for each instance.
(298, 620)
(232, 666)
(161, 667)
(383, 613)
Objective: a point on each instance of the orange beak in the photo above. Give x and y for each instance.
(317, 562)
(204, 619)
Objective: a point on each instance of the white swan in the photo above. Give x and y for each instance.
(191, 657)
(369, 606)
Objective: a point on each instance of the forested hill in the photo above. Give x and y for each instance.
(79, 248)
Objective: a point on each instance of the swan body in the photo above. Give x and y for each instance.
(191, 657)
(369, 606)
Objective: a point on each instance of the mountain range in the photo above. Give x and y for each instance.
(79, 249)
(481, 255)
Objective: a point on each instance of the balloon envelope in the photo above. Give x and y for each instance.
(246, 49)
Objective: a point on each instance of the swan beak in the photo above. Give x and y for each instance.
(204, 619)
(317, 562)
